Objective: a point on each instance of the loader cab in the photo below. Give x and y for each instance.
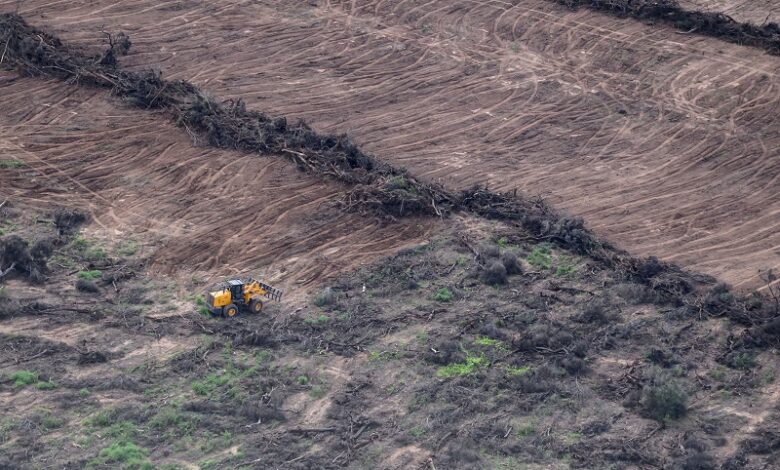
(236, 287)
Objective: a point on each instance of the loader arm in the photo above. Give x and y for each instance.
(259, 288)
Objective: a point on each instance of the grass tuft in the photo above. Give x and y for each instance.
(23, 378)
(8, 164)
(459, 369)
(515, 371)
(125, 454)
(90, 275)
(443, 295)
(540, 257)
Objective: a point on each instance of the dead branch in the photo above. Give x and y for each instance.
(310, 430)
(10, 268)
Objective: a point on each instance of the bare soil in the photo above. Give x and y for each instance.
(613, 119)
(202, 212)
(411, 343)
(412, 362)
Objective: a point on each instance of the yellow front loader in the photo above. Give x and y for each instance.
(236, 295)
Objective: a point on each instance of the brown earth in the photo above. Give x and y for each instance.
(666, 143)
(412, 362)
(199, 211)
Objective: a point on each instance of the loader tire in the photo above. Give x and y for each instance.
(255, 305)
(230, 310)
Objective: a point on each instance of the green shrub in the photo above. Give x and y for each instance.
(6, 426)
(397, 182)
(121, 430)
(127, 454)
(49, 385)
(443, 295)
(317, 320)
(171, 420)
(210, 383)
(489, 342)
(127, 248)
(540, 257)
(718, 373)
(741, 360)
(11, 164)
(663, 399)
(86, 249)
(302, 380)
(201, 307)
(22, 378)
(102, 419)
(95, 253)
(326, 297)
(374, 356)
(90, 275)
(526, 429)
(516, 371)
(317, 392)
(49, 421)
(469, 366)
(564, 270)
(79, 243)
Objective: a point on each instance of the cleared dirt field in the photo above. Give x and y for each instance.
(214, 212)
(666, 143)
(414, 362)
(501, 336)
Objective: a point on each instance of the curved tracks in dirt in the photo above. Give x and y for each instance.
(197, 208)
(669, 144)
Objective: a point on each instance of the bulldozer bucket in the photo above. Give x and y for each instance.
(271, 292)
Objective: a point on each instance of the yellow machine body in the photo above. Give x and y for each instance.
(219, 298)
(240, 294)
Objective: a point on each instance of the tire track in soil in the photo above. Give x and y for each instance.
(199, 209)
(668, 144)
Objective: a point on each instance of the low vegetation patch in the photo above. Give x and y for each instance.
(324, 298)
(516, 371)
(443, 295)
(663, 397)
(124, 454)
(540, 257)
(489, 342)
(90, 275)
(22, 378)
(7, 164)
(471, 365)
